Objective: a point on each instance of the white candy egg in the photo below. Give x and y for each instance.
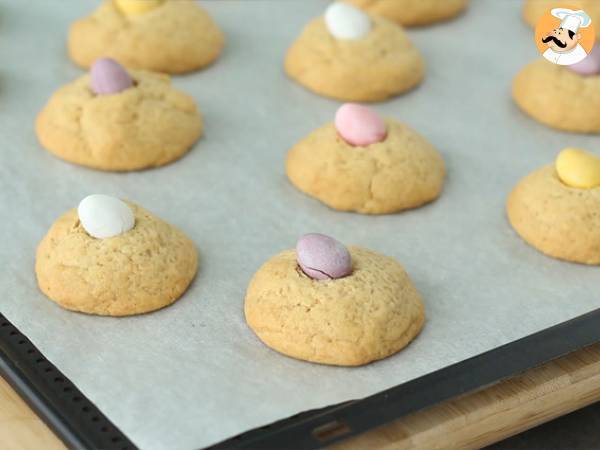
(103, 216)
(345, 21)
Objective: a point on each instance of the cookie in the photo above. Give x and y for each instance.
(143, 269)
(559, 97)
(413, 13)
(355, 64)
(402, 171)
(175, 36)
(368, 315)
(533, 10)
(145, 126)
(559, 220)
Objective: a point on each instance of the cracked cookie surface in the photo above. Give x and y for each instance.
(176, 37)
(558, 220)
(148, 125)
(410, 12)
(383, 64)
(403, 171)
(144, 269)
(369, 315)
(558, 97)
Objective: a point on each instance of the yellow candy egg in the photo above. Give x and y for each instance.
(578, 168)
(136, 7)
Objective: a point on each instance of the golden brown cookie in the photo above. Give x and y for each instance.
(560, 221)
(143, 269)
(411, 12)
(383, 64)
(146, 126)
(369, 315)
(533, 10)
(403, 171)
(556, 96)
(176, 37)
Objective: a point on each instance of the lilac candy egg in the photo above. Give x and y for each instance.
(109, 77)
(590, 65)
(322, 257)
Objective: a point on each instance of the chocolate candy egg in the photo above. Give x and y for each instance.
(359, 125)
(136, 7)
(322, 257)
(109, 77)
(590, 65)
(345, 21)
(578, 168)
(103, 216)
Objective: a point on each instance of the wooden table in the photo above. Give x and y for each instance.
(469, 422)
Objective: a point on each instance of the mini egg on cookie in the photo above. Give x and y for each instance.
(109, 77)
(349, 55)
(119, 120)
(556, 209)
(168, 36)
(103, 216)
(367, 164)
(412, 12)
(327, 303)
(322, 257)
(114, 258)
(578, 168)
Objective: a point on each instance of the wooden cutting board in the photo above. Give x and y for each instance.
(469, 422)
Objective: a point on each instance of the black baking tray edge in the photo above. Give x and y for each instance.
(71, 415)
(58, 402)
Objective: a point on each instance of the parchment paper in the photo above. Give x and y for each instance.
(193, 374)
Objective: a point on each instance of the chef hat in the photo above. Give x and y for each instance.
(572, 20)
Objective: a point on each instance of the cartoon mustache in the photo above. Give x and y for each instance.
(556, 41)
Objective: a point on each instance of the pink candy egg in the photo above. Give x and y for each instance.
(590, 65)
(323, 258)
(359, 125)
(109, 77)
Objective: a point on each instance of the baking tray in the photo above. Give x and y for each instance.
(188, 366)
(79, 423)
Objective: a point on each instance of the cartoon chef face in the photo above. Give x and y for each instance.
(561, 39)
